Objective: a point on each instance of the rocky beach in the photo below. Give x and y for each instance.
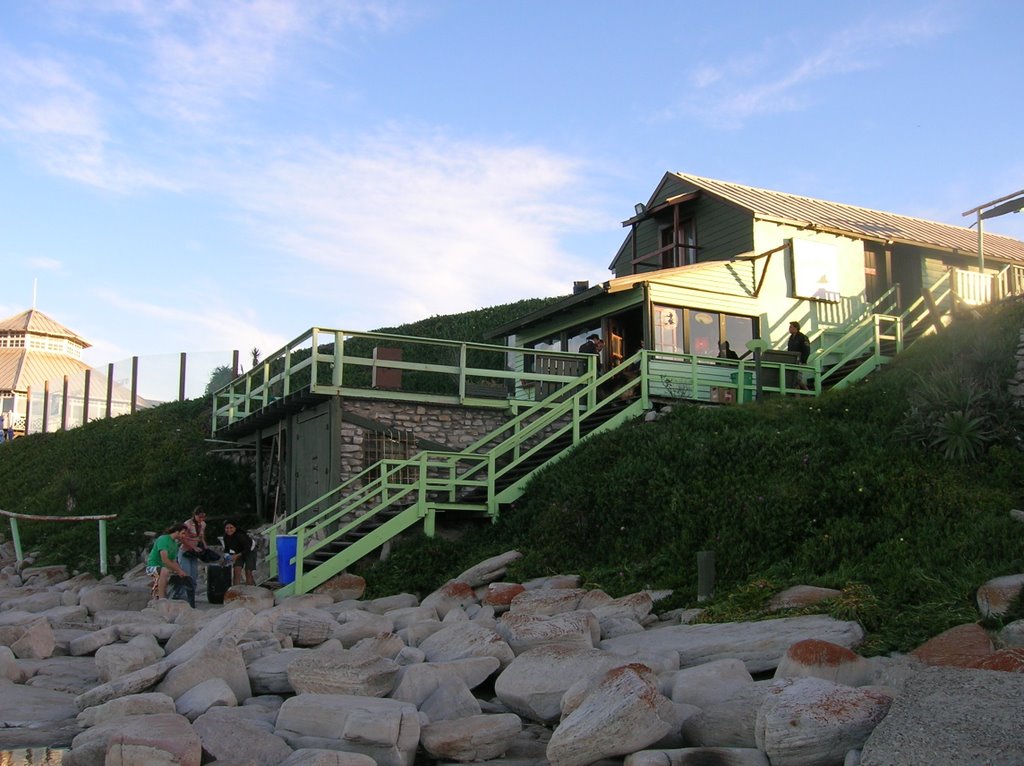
(515, 674)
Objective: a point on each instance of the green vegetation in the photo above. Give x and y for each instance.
(151, 469)
(863, 490)
(895, 491)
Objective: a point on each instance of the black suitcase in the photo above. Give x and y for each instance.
(218, 580)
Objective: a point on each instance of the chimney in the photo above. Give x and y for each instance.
(580, 286)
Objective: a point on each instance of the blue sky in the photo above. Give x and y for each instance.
(207, 175)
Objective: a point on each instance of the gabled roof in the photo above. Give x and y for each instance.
(857, 221)
(37, 323)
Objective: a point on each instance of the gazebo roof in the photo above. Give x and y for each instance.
(35, 322)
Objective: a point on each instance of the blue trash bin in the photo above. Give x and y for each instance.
(286, 548)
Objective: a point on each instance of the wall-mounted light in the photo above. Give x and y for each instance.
(639, 208)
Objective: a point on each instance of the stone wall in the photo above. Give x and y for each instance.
(453, 426)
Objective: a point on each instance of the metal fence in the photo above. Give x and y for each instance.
(120, 388)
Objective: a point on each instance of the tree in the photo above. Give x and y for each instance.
(219, 377)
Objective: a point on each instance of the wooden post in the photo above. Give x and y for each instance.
(103, 546)
(135, 382)
(64, 405)
(181, 378)
(28, 408)
(46, 406)
(110, 387)
(705, 575)
(85, 396)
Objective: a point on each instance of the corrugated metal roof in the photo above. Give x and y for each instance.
(858, 221)
(21, 368)
(36, 322)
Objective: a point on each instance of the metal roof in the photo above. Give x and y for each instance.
(36, 322)
(21, 368)
(857, 221)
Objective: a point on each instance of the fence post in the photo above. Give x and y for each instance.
(705, 575)
(110, 387)
(181, 378)
(86, 395)
(64, 405)
(135, 382)
(46, 406)
(103, 546)
(28, 408)
(16, 538)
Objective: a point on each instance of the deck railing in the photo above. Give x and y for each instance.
(101, 521)
(384, 366)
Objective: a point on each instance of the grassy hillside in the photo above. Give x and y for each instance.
(896, 490)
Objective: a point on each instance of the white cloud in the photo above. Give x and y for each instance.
(425, 224)
(45, 264)
(729, 94)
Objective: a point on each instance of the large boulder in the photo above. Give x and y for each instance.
(624, 713)
(474, 738)
(386, 730)
(814, 722)
(759, 644)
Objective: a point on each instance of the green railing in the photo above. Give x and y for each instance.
(384, 366)
(101, 521)
(393, 495)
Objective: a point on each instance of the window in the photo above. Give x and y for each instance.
(692, 331)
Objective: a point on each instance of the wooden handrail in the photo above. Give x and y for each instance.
(101, 520)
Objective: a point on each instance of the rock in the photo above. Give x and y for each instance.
(89, 642)
(454, 594)
(822, 659)
(386, 730)
(210, 693)
(387, 645)
(135, 704)
(635, 606)
(220, 658)
(116, 660)
(230, 623)
(527, 631)
(475, 738)
(947, 715)
(813, 722)
(297, 602)
(489, 570)
(698, 756)
(465, 639)
(450, 701)
(158, 739)
(342, 587)
(623, 714)
(728, 721)
(99, 598)
(800, 596)
(252, 598)
(759, 644)
(309, 627)
(133, 683)
(36, 641)
(547, 601)
(995, 597)
(72, 675)
(535, 682)
(231, 737)
(408, 615)
(9, 667)
(416, 683)
(35, 602)
(269, 674)
(356, 624)
(958, 646)
(499, 595)
(308, 756)
(342, 671)
(709, 683)
(1006, 660)
(1013, 634)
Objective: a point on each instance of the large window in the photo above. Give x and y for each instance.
(691, 331)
